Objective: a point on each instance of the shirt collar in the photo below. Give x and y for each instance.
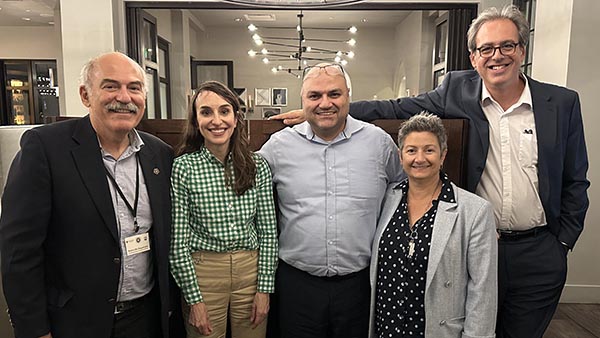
(207, 155)
(135, 144)
(524, 99)
(352, 126)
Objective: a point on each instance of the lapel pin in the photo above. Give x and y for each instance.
(156, 171)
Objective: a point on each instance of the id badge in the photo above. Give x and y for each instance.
(137, 244)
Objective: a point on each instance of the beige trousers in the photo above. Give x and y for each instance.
(228, 285)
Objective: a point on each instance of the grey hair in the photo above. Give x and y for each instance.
(510, 12)
(346, 77)
(424, 122)
(88, 69)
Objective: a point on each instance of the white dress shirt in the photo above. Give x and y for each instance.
(510, 177)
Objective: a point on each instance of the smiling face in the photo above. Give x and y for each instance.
(499, 72)
(421, 155)
(326, 103)
(216, 122)
(115, 96)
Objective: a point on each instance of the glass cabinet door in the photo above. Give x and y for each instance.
(18, 92)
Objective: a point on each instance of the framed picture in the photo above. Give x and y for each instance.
(203, 71)
(279, 97)
(262, 96)
(270, 111)
(242, 93)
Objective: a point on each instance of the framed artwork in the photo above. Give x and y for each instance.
(279, 97)
(242, 93)
(270, 111)
(221, 71)
(262, 96)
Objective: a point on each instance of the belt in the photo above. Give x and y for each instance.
(514, 235)
(127, 305)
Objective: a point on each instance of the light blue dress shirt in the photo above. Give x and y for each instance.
(330, 194)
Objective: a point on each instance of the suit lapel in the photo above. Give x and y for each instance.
(88, 160)
(545, 114)
(442, 228)
(152, 176)
(478, 147)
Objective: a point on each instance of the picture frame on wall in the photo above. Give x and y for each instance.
(279, 97)
(262, 96)
(270, 111)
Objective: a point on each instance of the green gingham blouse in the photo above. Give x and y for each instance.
(207, 215)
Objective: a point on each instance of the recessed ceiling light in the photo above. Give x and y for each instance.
(364, 20)
(51, 22)
(46, 15)
(26, 19)
(237, 19)
(28, 10)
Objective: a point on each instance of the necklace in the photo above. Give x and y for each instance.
(413, 231)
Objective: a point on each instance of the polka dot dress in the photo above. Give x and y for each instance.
(399, 306)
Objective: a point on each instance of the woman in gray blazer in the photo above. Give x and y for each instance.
(434, 261)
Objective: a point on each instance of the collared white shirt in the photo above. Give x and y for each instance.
(510, 177)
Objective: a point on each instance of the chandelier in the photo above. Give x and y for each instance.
(291, 54)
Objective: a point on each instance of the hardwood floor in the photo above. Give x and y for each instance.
(575, 321)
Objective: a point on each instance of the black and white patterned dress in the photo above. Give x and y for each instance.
(399, 306)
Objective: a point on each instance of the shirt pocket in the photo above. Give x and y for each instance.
(527, 150)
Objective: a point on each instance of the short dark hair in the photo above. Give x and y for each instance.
(424, 121)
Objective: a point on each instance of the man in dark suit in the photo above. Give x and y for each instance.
(526, 155)
(85, 226)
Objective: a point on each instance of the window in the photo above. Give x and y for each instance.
(164, 78)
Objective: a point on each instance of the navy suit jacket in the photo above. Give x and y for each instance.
(58, 233)
(562, 155)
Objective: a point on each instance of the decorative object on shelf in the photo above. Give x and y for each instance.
(279, 96)
(262, 96)
(304, 49)
(270, 111)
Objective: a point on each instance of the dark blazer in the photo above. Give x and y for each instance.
(562, 155)
(58, 233)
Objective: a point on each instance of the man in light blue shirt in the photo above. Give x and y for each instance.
(331, 173)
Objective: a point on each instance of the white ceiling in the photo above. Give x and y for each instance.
(16, 12)
(312, 18)
(41, 13)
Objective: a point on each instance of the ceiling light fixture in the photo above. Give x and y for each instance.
(299, 4)
(296, 49)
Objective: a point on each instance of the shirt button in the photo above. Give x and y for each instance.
(330, 168)
(330, 242)
(448, 284)
(330, 193)
(111, 300)
(442, 323)
(330, 217)
(230, 205)
(117, 260)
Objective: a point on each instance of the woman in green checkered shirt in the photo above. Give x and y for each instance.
(224, 235)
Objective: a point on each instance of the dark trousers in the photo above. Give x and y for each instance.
(141, 321)
(531, 275)
(322, 307)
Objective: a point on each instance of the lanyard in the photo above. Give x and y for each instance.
(133, 209)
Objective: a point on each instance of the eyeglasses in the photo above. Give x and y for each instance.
(331, 69)
(506, 49)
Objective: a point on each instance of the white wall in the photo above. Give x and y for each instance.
(565, 53)
(29, 43)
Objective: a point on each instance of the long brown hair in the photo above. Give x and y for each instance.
(244, 167)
